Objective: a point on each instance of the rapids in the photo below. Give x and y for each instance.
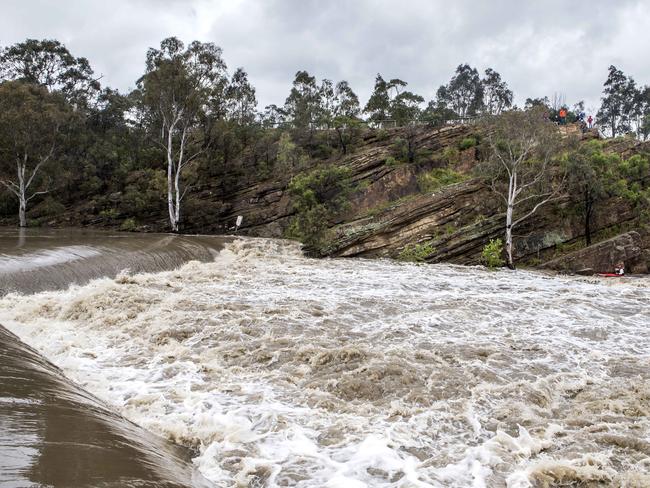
(281, 370)
(53, 434)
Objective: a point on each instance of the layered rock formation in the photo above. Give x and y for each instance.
(389, 211)
(631, 248)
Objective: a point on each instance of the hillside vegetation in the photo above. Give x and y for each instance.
(188, 151)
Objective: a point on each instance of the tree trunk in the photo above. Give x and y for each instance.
(344, 149)
(512, 193)
(509, 260)
(589, 207)
(170, 187)
(177, 216)
(22, 198)
(22, 210)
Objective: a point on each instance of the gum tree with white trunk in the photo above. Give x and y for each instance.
(176, 95)
(31, 131)
(522, 146)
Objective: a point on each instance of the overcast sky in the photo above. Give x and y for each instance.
(539, 47)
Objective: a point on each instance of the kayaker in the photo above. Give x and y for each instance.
(619, 269)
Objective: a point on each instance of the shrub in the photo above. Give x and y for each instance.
(416, 253)
(129, 225)
(290, 157)
(438, 178)
(49, 207)
(450, 229)
(390, 161)
(451, 155)
(400, 150)
(467, 143)
(317, 197)
(109, 214)
(144, 192)
(382, 135)
(492, 254)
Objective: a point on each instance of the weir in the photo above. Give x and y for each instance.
(35, 260)
(53, 433)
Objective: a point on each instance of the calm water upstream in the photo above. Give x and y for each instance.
(278, 370)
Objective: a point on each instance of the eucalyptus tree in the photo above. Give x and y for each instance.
(345, 114)
(464, 92)
(641, 113)
(378, 106)
(389, 102)
(617, 103)
(240, 99)
(521, 146)
(179, 90)
(49, 63)
(592, 178)
(31, 130)
(303, 104)
(497, 97)
(273, 116)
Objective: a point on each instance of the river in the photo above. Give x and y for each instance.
(278, 370)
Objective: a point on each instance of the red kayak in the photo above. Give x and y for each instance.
(609, 275)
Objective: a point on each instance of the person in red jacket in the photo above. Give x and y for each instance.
(590, 121)
(562, 116)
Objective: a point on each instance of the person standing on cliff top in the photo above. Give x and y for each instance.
(562, 116)
(590, 121)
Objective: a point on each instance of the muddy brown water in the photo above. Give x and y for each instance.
(35, 260)
(276, 370)
(52, 432)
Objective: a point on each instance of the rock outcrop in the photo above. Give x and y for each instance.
(389, 210)
(627, 248)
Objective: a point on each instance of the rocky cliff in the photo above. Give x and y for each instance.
(391, 209)
(390, 212)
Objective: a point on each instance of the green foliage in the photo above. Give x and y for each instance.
(48, 63)
(450, 229)
(492, 253)
(109, 214)
(318, 196)
(416, 253)
(31, 121)
(451, 155)
(144, 192)
(389, 101)
(129, 225)
(49, 207)
(480, 218)
(290, 157)
(382, 135)
(439, 178)
(391, 161)
(596, 175)
(467, 143)
(399, 150)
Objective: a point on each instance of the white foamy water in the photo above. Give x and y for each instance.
(287, 371)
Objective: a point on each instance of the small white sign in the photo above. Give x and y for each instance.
(240, 219)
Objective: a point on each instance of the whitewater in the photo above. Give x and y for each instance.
(279, 370)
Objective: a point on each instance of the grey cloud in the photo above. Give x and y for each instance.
(539, 47)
